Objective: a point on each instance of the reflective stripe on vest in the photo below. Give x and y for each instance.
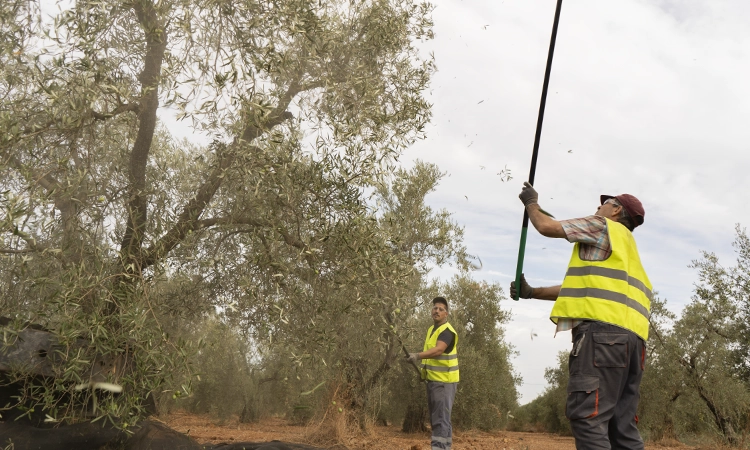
(443, 368)
(616, 290)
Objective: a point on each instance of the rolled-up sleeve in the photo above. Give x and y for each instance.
(591, 233)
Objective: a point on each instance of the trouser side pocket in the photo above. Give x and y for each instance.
(583, 397)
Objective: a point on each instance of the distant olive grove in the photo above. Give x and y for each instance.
(255, 380)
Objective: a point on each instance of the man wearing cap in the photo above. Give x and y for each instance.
(440, 368)
(605, 299)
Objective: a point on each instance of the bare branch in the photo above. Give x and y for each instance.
(15, 252)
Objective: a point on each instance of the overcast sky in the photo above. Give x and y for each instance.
(647, 97)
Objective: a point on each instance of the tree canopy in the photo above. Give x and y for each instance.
(117, 232)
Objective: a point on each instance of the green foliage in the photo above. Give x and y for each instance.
(437, 238)
(696, 360)
(740, 290)
(547, 411)
(342, 327)
(275, 380)
(292, 245)
(223, 370)
(114, 231)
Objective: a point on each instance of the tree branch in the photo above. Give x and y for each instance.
(156, 43)
(15, 252)
(29, 239)
(712, 328)
(277, 116)
(62, 200)
(288, 238)
(117, 111)
(45, 180)
(188, 220)
(175, 235)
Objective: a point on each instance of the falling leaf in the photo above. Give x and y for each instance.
(111, 387)
(505, 174)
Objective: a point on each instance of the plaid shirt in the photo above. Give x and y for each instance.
(591, 233)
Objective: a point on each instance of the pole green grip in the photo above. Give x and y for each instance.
(519, 266)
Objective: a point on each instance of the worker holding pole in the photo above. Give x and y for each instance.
(439, 359)
(605, 299)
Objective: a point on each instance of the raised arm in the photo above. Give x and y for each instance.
(544, 224)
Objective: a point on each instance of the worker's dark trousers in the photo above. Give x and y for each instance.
(606, 366)
(440, 401)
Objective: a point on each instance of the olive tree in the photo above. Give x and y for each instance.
(695, 359)
(348, 320)
(308, 105)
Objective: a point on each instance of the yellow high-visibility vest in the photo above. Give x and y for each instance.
(616, 290)
(443, 368)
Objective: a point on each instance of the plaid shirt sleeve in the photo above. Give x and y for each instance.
(591, 233)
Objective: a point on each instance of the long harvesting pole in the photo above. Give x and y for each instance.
(537, 136)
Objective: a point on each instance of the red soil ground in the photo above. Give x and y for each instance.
(206, 430)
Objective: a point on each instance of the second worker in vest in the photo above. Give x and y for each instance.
(440, 368)
(605, 299)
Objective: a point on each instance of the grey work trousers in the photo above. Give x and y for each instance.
(440, 401)
(606, 366)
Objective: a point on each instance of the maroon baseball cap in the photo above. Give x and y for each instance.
(632, 205)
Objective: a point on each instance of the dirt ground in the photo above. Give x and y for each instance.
(208, 431)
